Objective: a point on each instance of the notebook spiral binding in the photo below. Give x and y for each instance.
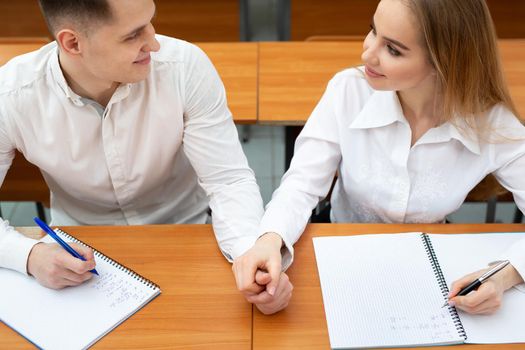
(118, 265)
(442, 283)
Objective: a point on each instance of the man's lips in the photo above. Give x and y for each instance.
(144, 60)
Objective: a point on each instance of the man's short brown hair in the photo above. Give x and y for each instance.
(82, 13)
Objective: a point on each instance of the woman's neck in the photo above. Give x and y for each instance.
(421, 108)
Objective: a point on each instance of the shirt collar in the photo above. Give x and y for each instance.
(383, 108)
(60, 80)
(450, 131)
(120, 93)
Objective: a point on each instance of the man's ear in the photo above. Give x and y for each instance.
(68, 41)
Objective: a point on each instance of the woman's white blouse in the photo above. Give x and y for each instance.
(363, 135)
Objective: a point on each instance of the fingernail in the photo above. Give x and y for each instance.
(271, 291)
(451, 303)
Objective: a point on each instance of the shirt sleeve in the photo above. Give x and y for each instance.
(316, 158)
(212, 145)
(516, 255)
(14, 247)
(511, 176)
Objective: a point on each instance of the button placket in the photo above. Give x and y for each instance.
(401, 179)
(113, 160)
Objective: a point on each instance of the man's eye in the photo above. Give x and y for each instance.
(132, 37)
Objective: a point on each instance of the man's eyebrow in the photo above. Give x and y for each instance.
(395, 42)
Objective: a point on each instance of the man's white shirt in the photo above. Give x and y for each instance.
(160, 152)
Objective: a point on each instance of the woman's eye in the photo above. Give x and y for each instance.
(393, 51)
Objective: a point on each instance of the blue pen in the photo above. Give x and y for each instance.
(64, 245)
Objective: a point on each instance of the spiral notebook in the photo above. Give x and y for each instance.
(387, 290)
(74, 317)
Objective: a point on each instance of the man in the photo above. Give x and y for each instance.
(127, 128)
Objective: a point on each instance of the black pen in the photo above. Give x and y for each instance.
(477, 282)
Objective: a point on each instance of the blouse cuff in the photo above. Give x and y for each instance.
(516, 256)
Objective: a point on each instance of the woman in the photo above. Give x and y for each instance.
(409, 134)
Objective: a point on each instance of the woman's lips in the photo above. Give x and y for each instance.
(372, 73)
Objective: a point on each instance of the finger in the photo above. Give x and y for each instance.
(261, 298)
(86, 252)
(247, 290)
(282, 293)
(274, 269)
(472, 302)
(67, 261)
(277, 305)
(262, 277)
(75, 278)
(459, 284)
(246, 277)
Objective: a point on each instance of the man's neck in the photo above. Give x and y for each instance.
(86, 85)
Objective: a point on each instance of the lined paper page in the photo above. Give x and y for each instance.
(461, 254)
(380, 291)
(75, 317)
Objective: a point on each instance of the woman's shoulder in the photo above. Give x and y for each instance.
(502, 120)
(351, 76)
(350, 85)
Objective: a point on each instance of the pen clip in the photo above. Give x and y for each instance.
(492, 271)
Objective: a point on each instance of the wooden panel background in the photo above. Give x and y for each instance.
(352, 17)
(201, 20)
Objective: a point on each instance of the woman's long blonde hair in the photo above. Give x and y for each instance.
(462, 44)
(463, 47)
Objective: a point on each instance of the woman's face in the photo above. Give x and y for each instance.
(393, 54)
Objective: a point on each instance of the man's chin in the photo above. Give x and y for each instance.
(135, 78)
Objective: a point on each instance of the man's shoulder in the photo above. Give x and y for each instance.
(25, 69)
(173, 50)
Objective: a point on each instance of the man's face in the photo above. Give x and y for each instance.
(119, 50)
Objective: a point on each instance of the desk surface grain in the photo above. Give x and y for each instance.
(199, 308)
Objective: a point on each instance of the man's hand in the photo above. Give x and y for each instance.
(258, 275)
(487, 299)
(55, 268)
(270, 304)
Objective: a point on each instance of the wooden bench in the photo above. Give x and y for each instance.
(202, 20)
(353, 17)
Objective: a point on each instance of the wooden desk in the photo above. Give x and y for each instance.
(237, 66)
(10, 50)
(294, 75)
(303, 325)
(199, 308)
(236, 63)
